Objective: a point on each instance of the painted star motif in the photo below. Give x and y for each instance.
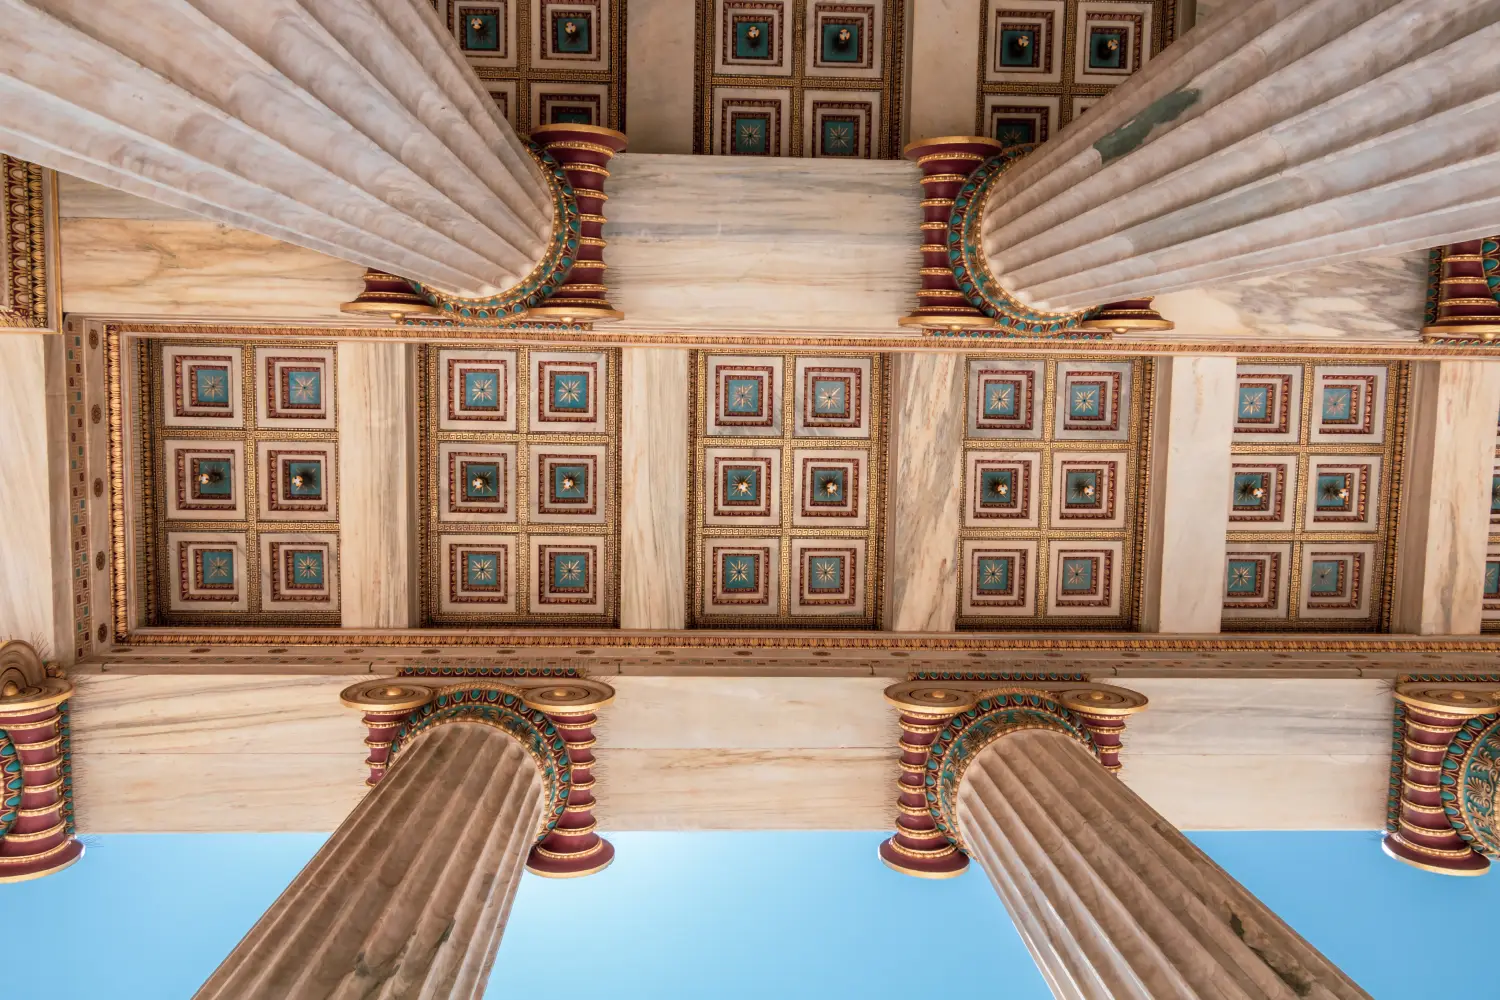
(1076, 575)
(739, 570)
(482, 570)
(749, 133)
(1239, 576)
(571, 570)
(825, 571)
(741, 485)
(831, 397)
(1252, 403)
(994, 574)
(1084, 399)
(569, 390)
(1000, 397)
(307, 568)
(212, 383)
(1324, 573)
(839, 138)
(742, 395)
(217, 566)
(304, 388)
(482, 390)
(1492, 578)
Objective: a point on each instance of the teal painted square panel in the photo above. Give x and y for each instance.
(568, 571)
(1107, 48)
(997, 486)
(569, 391)
(482, 571)
(741, 485)
(1335, 491)
(304, 479)
(212, 477)
(481, 480)
(1492, 580)
(1327, 577)
(1255, 401)
(831, 397)
(1243, 576)
(303, 388)
(742, 395)
(1338, 403)
(752, 134)
(1077, 576)
(995, 574)
(482, 30)
(826, 575)
(210, 385)
(1252, 491)
(481, 390)
(1015, 131)
(829, 486)
(739, 573)
(752, 39)
(1084, 400)
(839, 135)
(1020, 48)
(564, 114)
(1000, 398)
(215, 568)
(570, 482)
(1083, 489)
(572, 33)
(1495, 494)
(307, 569)
(841, 42)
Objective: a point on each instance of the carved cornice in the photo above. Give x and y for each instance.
(29, 291)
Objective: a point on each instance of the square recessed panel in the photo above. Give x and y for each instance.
(568, 484)
(746, 396)
(208, 480)
(1492, 583)
(1092, 401)
(298, 480)
(568, 574)
(503, 94)
(832, 397)
(480, 574)
(741, 576)
(555, 103)
(750, 121)
(299, 572)
(570, 34)
(1268, 404)
(1004, 399)
(479, 390)
(568, 388)
(1336, 580)
(1262, 492)
(296, 388)
(1349, 404)
(828, 576)
(999, 578)
(1002, 489)
(744, 486)
(201, 386)
(1025, 41)
(832, 488)
(208, 571)
(844, 39)
(750, 37)
(1495, 496)
(840, 123)
(1113, 40)
(1018, 120)
(1342, 493)
(1255, 580)
(486, 31)
(478, 482)
(1084, 578)
(1088, 490)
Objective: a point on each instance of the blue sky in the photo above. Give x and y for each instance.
(727, 916)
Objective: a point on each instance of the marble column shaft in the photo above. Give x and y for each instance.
(377, 485)
(409, 897)
(1446, 497)
(1291, 133)
(925, 491)
(653, 488)
(1189, 502)
(351, 127)
(1114, 902)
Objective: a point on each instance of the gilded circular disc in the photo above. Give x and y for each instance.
(1103, 699)
(45, 693)
(569, 696)
(395, 694)
(1450, 700)
(929, 698)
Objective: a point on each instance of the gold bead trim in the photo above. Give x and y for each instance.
(935, 271)
(18, 726)
(50, 765)
(935, 225)
(582, 288)
(44, 745)
(914, 748)
(26, 838)
(587, 168)
(575, 831)
(1472, 258)
(592, 241)
(589, 265)
(922, 853)
(1466, 301)
(919, 832)
(940, 293)
(1414, 746)
(933, 248)
(905, 809)
(914, 768)
(378, 744)
(585, 217)
(912, 789)
(943, 179)
(25, 859)
(1435, 852)
(581, 786)
(971, 157)
(1425, 831)
(581, 744)
(923, 728)
(1417, 786)
(570, 855)
(1426, 810)
(937, 202)
(39, 810)
(50, 786)
(587, 147)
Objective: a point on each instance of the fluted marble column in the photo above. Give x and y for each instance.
(352, 127)
(1290, 133)
(1112, 900)
(410, 895)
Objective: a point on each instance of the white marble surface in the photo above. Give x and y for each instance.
(660, 43)
(653, 488)
(1189, 514)
(1445, 523)
(924, 491)
(944, 48)
(377, 484)
(1378, 299)
(35, 577)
